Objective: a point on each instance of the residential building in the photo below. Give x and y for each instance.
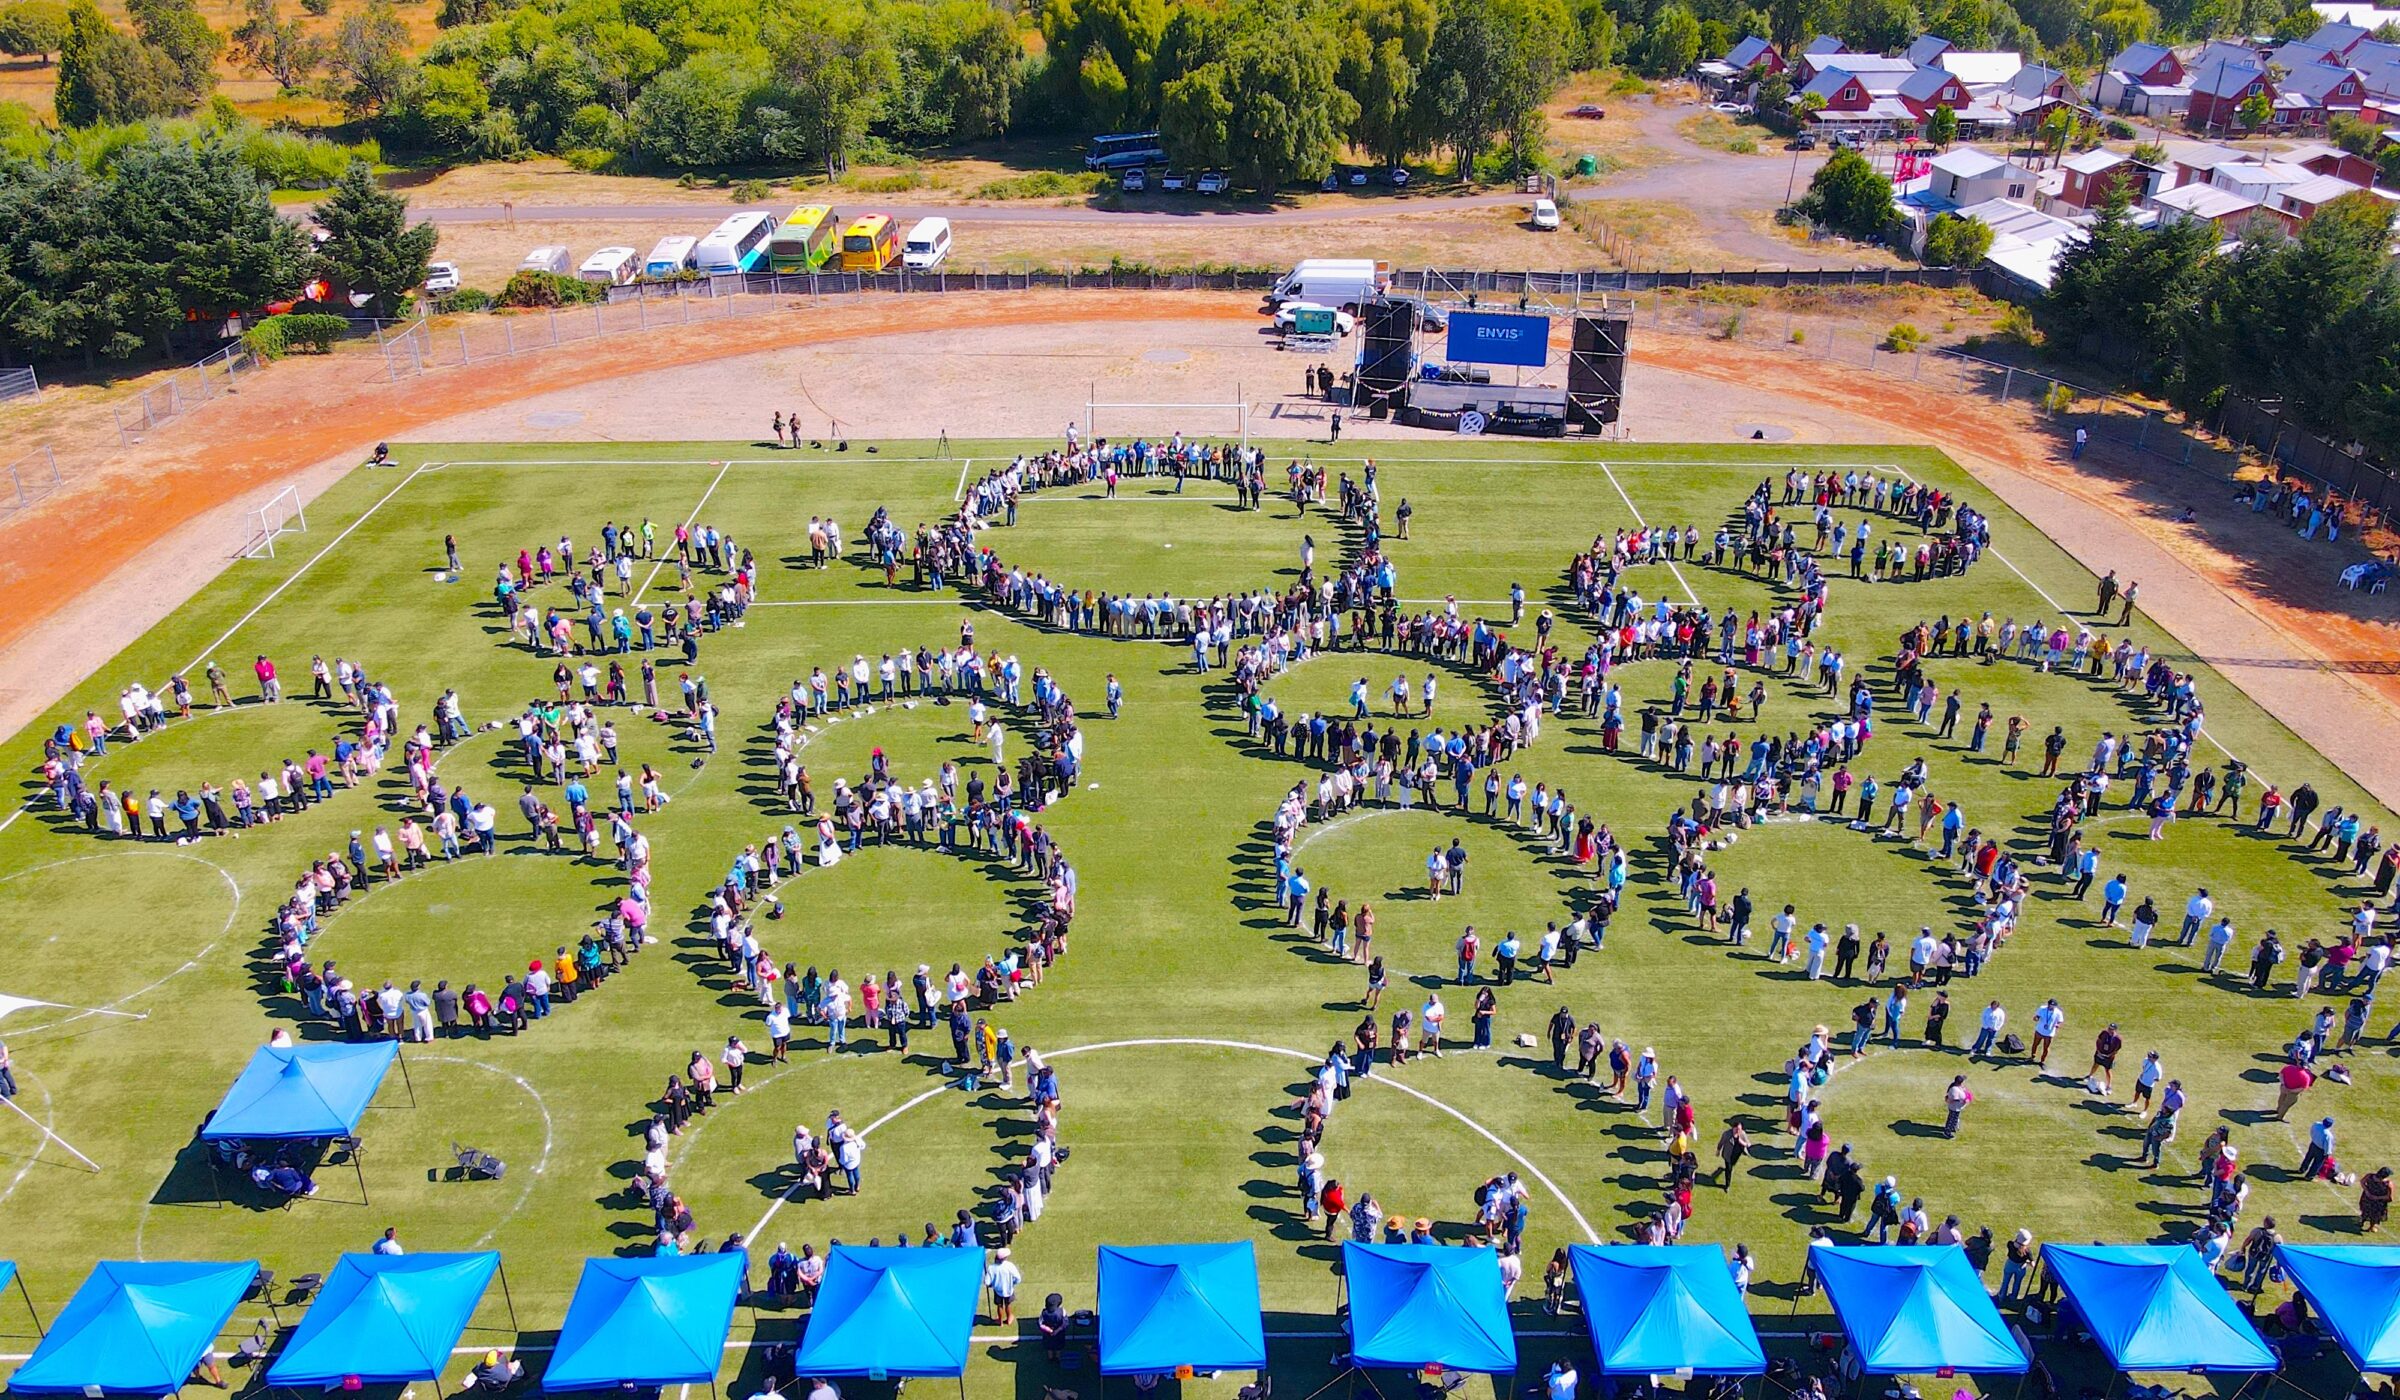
(2220, 87)
(2026, 243)
(2296, 204)
(2230, 212)
(2310, 94)
(2257, 179)
(2090, 175)
(2146, 80)
(1968, 176)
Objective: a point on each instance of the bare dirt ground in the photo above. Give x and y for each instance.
(155, 522)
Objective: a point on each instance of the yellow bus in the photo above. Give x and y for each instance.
(805, 241)
(870, 244)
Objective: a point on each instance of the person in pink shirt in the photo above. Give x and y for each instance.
(270, 689)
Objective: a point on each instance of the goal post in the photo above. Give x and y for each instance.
(283, 514)
(1193, 418)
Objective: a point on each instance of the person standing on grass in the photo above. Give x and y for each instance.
(1954, 1104)
(2048, 1020)
(1003, 1278)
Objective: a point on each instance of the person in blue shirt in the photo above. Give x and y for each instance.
(2112, 898)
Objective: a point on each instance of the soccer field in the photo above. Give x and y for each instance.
(1186, 1018)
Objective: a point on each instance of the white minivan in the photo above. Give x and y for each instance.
(927, 246)
(610, 267)
(1545, 215)
(550, 257)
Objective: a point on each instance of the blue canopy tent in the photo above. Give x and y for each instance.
(1916, 1310)
(2157, 1307)
(305, 1093)
(387, 1317)
(646, 1322)
(889, 1311)
(1168, 1306)
(1665, 1310)
(2355, 1288)
(9, 1275)
(135, 1329)
(1428, 1305)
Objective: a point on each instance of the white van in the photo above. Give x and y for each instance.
(672, 257)
(550, 257)
(1545, 215)
(610, 267)
(1335, 282)
(927, 245)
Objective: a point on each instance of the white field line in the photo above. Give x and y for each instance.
(959, 492)
(697, 507)
(1689, 592)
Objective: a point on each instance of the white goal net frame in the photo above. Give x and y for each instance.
(1195, 419)
(283, 514)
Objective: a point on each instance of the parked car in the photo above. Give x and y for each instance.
(1134, 180)
(441, 277)
(1174, 180)
(1429, 316)
(1398, 177)
(1358, 179)
(1332, 180)
(1545, 215)
(1214, 182)
(1805, 141)
(1731, 109)
(1589, 111)
(1343, 321)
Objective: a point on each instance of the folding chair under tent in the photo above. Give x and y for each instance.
(1915, 1310)
(1171, 1307)
(2157, 1307)
(135, 1329)
(305, 1093)
(1415, 1306)
(646, 1322)
(1665, 1310)
(2355, 1289)
(385, 1318)
(885, 1311)
(9, 1275)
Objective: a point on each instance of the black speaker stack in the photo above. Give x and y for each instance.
(1388, 353)
(1596, 371)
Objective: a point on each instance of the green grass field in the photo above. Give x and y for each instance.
(1184, 1016)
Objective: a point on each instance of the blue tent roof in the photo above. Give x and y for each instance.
(303, 1091)
(2157, 1307)
(656, 1321)
(135, 1329)
(1169, 1305)
(893, 1311)
(1417, 1305)
(1657, 1309)
(2356, 1289)
(385, 1318)
(1915, 1309)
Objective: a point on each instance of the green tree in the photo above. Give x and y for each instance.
(441, 107)
(982, 69)
(55, 301)
(1104, 52)
(1671, 43)
(836, 68)
(1951, 241)
(2254, 111)
(1847, 194)
(1596, 33)
(1288, 116)
(33, 28)
(2122, 294)
(369, 245)
(1941, 127)
(276, 44)
(1880, 26)
(184, 46)
(692, 117)
(1195, 118)
(370, 54)
(106, 75)
(1382, 63)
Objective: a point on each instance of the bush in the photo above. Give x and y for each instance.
(2016, 324)
(1799, 336)
(751, 191)
(1042, 184)
(890, 182)
(468, 299)
(302, 332)
(2058, 398)
(1731, 329)
(530, 289)
(1903, 338)
(2121, 130)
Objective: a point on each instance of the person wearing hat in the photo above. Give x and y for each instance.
(1053, 1326)
(1003, 1278)
(496, 1372)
